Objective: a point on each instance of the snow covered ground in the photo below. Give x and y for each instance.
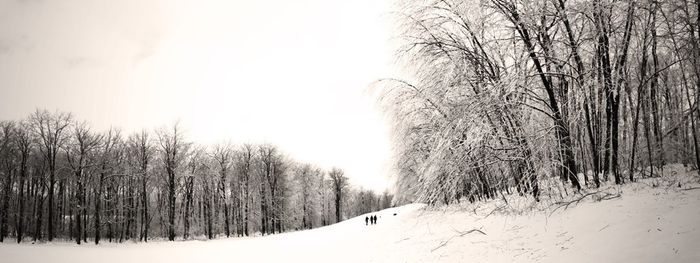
(645, 224)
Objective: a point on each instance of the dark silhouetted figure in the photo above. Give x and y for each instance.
(374, 218)
(366, 219)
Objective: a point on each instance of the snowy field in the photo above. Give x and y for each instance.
(645, 224)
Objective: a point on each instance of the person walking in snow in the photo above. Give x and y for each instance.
(366, 219)
(374, 218)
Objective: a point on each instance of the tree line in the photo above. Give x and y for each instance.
(62, 179)
(502, 94)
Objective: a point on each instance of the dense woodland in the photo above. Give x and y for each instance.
(505, 95)
(62, 179)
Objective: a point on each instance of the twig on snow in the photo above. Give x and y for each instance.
(460, 234)
(565, 205)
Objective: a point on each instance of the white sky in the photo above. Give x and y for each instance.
(289, 72)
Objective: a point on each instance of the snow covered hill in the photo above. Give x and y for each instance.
(646, 224)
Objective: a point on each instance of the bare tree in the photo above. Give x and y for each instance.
(222, 155)
(173, 150)
(25, 147)
(340, 183)
(141, 146)
(7, 153)
(194, 165)
(50, 129)
(79, 155)
(271, 175)
(308, 177)
(110, 141)
(244, 167)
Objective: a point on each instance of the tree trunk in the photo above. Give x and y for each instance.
(98, 207)
(50, 219)
(144, 206)
(581, 83)
(615, 103)
(188, 204)
(6, 204)
(561, 126)
(337, 204)
(19, 224)
(224, 199)
(78, 217)
(245, 207)
(171, 205)
(39, 208)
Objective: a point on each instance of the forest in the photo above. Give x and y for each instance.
(61, 179)
(528, 97)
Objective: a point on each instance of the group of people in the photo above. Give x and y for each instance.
(370, 219)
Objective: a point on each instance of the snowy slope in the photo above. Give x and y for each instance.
(644, 225)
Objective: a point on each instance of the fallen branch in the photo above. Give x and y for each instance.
(403, 239)
(461, 234)
(565, 205)
(609, 196)
(442, 244)
(497, 208)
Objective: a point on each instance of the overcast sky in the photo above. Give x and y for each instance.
(289, 72)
